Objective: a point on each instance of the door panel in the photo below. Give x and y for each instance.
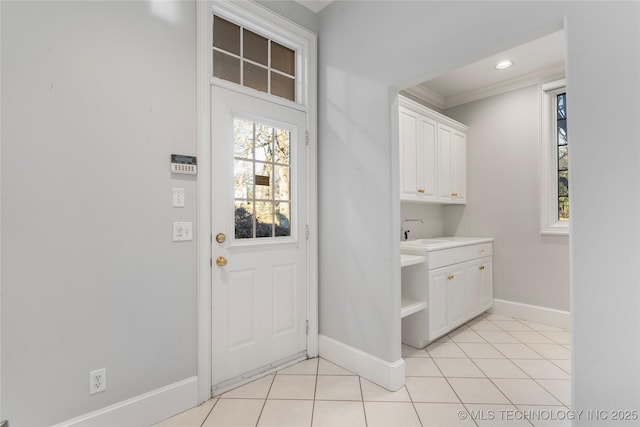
(457, 295)
(444, 163)
(259, 297)
(437, 303)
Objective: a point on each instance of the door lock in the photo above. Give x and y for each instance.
(220, 237)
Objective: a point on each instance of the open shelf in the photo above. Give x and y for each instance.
(409, 306)
(406, 259)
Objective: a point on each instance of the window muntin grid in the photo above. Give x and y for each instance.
(262, 180)
(246, 58)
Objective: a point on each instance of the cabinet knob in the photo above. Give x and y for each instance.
(420, 190)
(450, 277)
(482, 267)
(454, 194)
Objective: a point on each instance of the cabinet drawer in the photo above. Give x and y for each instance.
(444, 257)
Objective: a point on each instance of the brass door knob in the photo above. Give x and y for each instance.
(482, 267)
(221, 261)
(220, 237)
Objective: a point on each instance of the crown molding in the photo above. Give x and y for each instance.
(427, 95)
(546, 74)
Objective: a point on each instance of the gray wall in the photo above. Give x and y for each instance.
(431, 214)
(503, 199)
(605, 206)
(95, 98)
(293, 12)
(359, 209)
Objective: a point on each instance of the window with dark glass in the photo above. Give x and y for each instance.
(563, 156)
(249, 59)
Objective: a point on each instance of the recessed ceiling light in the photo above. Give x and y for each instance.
(503, 65)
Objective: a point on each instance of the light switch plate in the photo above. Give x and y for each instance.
(177, 197)
(182, 231)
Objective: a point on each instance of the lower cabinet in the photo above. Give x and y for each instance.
(455, 294)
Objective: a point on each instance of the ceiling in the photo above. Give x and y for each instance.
(534, 61)
(314, 5)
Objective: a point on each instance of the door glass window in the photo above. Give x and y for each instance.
(262, 188)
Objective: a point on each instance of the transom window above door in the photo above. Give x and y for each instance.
(249, 59)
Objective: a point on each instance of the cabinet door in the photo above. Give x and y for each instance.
(408, 123)
(427, 164)
(437, 302)
(444, 163)
(480, 289)
(458, 167)
(457, 296)
(486, 283)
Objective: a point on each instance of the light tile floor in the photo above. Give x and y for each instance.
(492, 371)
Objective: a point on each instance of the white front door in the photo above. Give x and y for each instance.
(259, 297)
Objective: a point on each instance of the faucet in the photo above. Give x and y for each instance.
(404, 234)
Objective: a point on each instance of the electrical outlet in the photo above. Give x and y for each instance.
(97, 380)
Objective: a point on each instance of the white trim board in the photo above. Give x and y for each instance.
(145, 409)
(390, 375)
(0, 220)
(204, 58)
(533, 313)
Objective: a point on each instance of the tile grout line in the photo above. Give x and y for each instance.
(264, 403)
(315, 391)
(210, 410)
(453, 389)
(364, 410)
(491, 380)
(487, 377)
(526, 373)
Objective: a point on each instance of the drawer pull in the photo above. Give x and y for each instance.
(481, 267)
(420, 190)
(454, 194)
(450, 277)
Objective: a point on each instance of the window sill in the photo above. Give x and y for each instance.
(557, 229)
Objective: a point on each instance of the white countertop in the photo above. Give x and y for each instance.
(438, 243)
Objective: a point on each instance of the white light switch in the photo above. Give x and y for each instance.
(177, 197)
(182, 231)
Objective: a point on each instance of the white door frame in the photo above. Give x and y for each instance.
(0, 227)
(253, 12)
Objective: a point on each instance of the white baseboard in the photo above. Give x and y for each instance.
(143, 410)
(389, 375)
(533, 313)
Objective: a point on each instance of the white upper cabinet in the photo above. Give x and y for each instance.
(433, 150)
(418, 156)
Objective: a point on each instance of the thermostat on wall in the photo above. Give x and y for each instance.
(183, 164)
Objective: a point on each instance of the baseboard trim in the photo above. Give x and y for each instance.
(389, 375)
(533, 313)
(143, 410)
